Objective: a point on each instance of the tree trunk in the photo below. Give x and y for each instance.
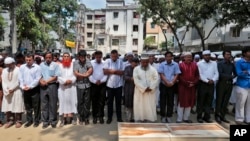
(13, 27)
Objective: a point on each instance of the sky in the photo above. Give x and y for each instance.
(96, 4)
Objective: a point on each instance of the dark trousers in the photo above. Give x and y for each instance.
(32, 104)
(166, 98)
(83, 103)
(49, 98)
(204, 100)
(117, 94)
(223, 93)
(98, 95)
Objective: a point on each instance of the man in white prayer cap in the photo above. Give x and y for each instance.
(146, 81)
(196, 57)
(208, 76)
(13, 104)
(188, 79)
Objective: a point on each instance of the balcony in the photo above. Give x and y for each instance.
(99, 20)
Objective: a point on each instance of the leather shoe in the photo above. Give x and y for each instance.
(101, 120)
(95, 120)
(208, 120)
(109, 121)
(45, 126)
(200, 120)
(225, 120)
(188, 121)
(217, 119)
(119, 120)
(28, 124)
(36, 124)
(53, 125)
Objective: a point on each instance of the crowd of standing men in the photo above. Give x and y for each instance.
(70, 86)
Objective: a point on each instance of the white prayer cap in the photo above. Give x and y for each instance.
(130, 54)
(237, 59)
(206, 52)
(162, 56)
(197, 56)
(9, 60)
(213, 55)
(144, 57)
(187, 53)
(220, 56)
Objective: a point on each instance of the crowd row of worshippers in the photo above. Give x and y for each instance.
(34, 88)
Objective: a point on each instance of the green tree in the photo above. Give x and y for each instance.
(189, 13)
(60, 11)
(235, 11)
(162, 12)
(149, 42)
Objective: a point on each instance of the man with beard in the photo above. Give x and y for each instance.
(98, 88)
(208, 72)
(82, 70)
(30, 74)
(49, 92)
(188, 79)
(67, 90)
(12, 104)
(146, 80)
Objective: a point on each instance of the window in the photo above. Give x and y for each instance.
(135, 41)
(136, 15)
(235, 31)
(115, 42)
(89, 25)
(152, 25)
(89, 34)
(115, 14)
(89, 44)
(89, 17)
(101, 41)
(135, 28)
(115, 27)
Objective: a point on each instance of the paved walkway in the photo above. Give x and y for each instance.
(91, 132)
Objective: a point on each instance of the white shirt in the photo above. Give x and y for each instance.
(97, 72)
(114, 81)
(208, 71)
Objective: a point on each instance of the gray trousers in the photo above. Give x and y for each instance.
(49, 98)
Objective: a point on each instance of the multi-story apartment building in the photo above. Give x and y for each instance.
(160, 34)
(225, 37)
(118, 26)
(124, 27)
(95, 37)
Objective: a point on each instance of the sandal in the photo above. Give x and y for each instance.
(9, 124)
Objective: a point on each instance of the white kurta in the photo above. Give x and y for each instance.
(67, 93)
(12, 102)
(144, 102)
